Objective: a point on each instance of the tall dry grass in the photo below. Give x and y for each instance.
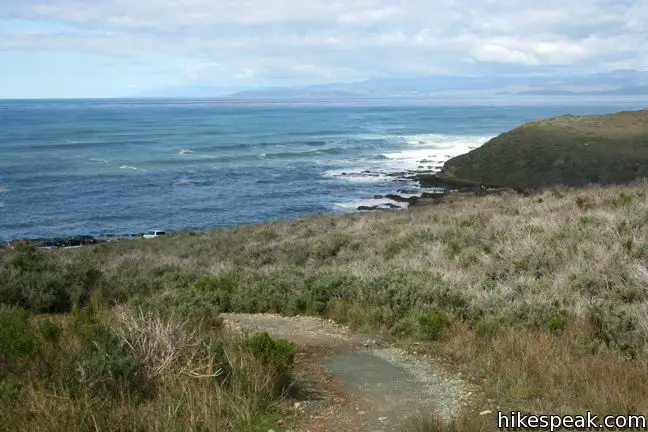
(542, 300)
(130, 370)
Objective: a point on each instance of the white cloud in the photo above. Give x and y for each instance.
(322, 40)
(245, 74)
(500, 54)
(369, 16)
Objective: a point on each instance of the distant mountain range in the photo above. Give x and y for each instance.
(615, 83)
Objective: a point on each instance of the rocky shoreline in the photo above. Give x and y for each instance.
(425, 186)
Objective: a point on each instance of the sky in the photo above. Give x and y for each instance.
(120, 48)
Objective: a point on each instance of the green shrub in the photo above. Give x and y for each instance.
(219, 290)
(487, 326)
(466, 223)
(49, 331)
(18, 340)
(432, 324)
(105, 366)
(27, 258)
(44, 292)
(444, 296)
(557, 320)
(224, 283)
(81, 278)
(221, 361)
(613, 327)
(583, 203)
(455, 249)
(323, 289)
(39, 283)
(10, 388)
(407, 326)
(277, 353)
(191, 304)
(622, 201)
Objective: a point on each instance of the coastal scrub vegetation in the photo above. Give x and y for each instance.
(540, 301)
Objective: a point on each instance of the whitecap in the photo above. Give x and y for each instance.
(182, 182)
(380, 203)
(432, 150)
(423, 152)
(185, 151)
(128, 167)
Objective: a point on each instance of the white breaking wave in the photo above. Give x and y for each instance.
(371, 202)
(189, 152)
(432, 150)
(183, 181)
(427, 152)
(128, 167)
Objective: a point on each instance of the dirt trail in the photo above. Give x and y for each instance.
(358, 383)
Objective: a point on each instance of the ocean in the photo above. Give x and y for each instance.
(126, 166)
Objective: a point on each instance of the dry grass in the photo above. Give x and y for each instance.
(193, 378)
(546, 296)
(165, 344)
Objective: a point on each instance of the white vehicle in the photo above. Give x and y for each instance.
(154, 234)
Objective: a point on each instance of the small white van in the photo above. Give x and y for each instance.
(154, 234)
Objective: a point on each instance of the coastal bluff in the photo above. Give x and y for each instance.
(566, 150)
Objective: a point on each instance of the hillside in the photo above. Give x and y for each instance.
(567, 150)
(540, 302)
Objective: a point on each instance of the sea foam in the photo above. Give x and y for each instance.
(370, 202)
(426, 152)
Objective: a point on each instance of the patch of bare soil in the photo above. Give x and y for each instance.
(357, 383)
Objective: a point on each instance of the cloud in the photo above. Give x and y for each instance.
(500, 54)
(321, 40)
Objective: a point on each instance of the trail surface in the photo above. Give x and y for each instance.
(357, 383)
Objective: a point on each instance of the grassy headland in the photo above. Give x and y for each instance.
(567, 150)
(542, 301)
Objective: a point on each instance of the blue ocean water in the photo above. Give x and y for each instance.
(126, 166)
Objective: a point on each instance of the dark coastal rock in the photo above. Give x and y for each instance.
(386, 206)
(400, 174)
(427, 180)
(399, 198)
(432, 195)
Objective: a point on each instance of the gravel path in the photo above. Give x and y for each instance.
(358, 383)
